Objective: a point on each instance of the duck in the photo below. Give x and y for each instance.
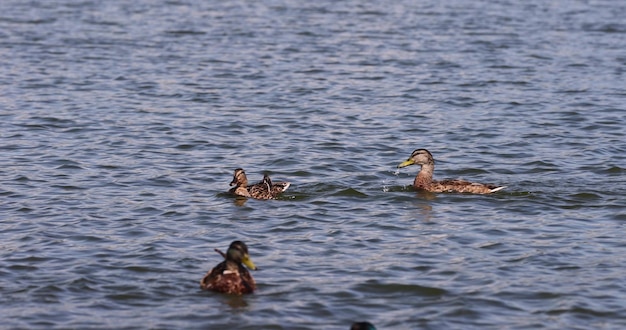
(266, 189)
(424, 179)
(230, 276)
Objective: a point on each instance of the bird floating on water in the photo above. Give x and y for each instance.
(266, 189)
(424, 179)
(230, 276)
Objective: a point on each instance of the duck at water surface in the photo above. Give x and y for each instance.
(230, 276)
(424, 179)
(266, 189)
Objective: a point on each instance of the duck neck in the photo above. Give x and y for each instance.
(425, 176)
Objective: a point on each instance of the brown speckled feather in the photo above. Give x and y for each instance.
(424, 179)
(461, 186)
(229, 277)
(262, 190)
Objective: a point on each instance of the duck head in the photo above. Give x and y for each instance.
(238, 252)
(418, 157)
(239, 178)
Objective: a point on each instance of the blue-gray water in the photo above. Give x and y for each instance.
(122, 121)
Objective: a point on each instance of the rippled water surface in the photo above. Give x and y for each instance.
(122, 122)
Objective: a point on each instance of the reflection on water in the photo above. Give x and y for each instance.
(233, 301)
(425, 195)
(240, 201)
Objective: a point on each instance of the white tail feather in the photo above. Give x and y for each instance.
(286, 185)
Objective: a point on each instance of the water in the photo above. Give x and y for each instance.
(122, 122)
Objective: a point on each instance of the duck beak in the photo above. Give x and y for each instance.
(234, 182)
(248, 262)
(406, 163)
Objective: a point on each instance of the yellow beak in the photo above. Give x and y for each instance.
(406, 163)
(248, 262)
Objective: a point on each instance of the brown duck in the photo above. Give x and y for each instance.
(266, 189)
(230, 276)
(424, 179)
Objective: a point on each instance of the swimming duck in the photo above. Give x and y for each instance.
(230, 276)
(266, 189)
(424, 179)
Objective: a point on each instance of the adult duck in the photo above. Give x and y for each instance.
(230, 276)
(424, 179)
(266, 189)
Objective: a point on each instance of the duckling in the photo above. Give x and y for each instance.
(266, 189)
(230, 276)
(424, 179)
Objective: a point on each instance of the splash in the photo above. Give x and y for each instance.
(386, 186)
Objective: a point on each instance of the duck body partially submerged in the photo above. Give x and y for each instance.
(266, 189)
(230, 276)
(424, 178)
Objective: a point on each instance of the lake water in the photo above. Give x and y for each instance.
(122, 123)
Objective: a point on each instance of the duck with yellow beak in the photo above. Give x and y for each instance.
(230, 276)
(424, 179)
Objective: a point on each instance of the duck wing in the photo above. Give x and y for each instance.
(463, 186)
(267, 189)
(228, 277)
(260, 191)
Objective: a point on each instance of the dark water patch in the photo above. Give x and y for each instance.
(174, 214)
(613, 170)
(620, 216)
(349, 192)
(130, 297)
(185, 32)
(606, 28)
(585, 196)
(68, 187)
(580, 312)
(376, 287)
(186, 146)
(25, 268)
